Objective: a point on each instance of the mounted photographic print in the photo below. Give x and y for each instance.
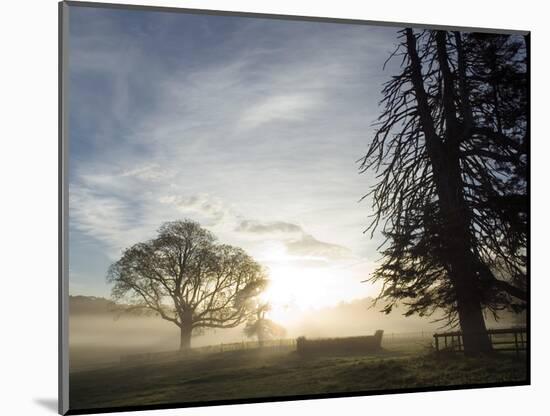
(264, 208)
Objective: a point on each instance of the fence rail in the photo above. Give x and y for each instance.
(289, 343)
(283, 344)
(248, 345)
(502, 339)
(512, 339)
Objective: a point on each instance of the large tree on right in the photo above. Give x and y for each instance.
(450, 155)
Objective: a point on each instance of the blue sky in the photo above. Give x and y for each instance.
(250, 126)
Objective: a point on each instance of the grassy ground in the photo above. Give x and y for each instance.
(257, 374)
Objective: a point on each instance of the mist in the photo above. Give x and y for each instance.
(100, 333)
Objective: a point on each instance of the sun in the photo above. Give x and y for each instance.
(295, 290)
(299, 284)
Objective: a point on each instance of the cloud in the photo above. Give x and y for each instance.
(106, 218)
(286, 107)
(296, 241)
(210, 208)
(150, 173)
(308, 246)
(273, 227)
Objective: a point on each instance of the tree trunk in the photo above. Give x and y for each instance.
(186, 328)
(475, 337)
(455, 216)
(443, 153)
(456, 238)
(185, 337)
(467, 290)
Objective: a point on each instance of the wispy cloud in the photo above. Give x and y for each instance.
(277, 108)
(269, 228)
(296, 241)
(150, 173)
(308, 246)
(210, 209)
(108, 219)
(251, 127)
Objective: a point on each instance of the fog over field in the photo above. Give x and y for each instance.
(100, 335)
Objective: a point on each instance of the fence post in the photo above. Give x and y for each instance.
(436, 342)
(522, 344)
(516, 343)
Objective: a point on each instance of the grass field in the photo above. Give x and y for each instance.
(281, 372)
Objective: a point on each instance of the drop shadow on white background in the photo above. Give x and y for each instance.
(49, 404)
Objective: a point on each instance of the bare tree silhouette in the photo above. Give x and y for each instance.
(450, 153)
(188, 279)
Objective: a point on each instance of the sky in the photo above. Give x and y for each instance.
(253, 127)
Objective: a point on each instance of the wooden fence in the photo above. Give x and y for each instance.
(506, 339)
(390, 339)
(512, 339)
(248, 345)
(273, 344)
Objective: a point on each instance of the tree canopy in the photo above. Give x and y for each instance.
(450, 153)
(189, 279)
(261, 327)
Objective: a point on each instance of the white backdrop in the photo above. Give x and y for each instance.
(28, 220)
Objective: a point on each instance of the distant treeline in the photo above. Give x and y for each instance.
(347, 318)
(91, 305)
